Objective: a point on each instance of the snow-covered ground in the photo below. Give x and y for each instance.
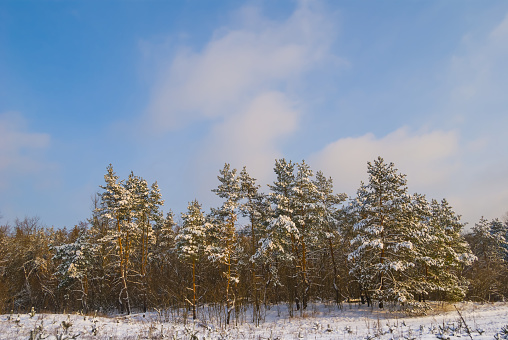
(320, 321)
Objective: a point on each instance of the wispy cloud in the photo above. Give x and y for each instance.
(20, 149)
(478, 83)
(429, 158)
(24, 167)
(237, 64)
(250, 138)
(243, 84)
(461, 154)
(477, 79)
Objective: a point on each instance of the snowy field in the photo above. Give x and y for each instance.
(320, 321)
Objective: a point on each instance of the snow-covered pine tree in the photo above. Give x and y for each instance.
(76, 261)
(99, 230)
(450, 252)
(190, 243)
(489, 273)
(257, 209)
(130, 209)
(116, 209)
(165, 237)
(149, 216)
(305, 218)
(282, 193)
(164, 269)
(278, 249)
(137, 233)
(328, 215)
(415, 221)
(223, 241)
(499, 230)
(382, 250)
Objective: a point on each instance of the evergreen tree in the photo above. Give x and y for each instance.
(116, 209)
(190, 243)
(147, 214)
(165, 237)
(489, 274)
(499, 230)
(305, 217)
(76, 263)
(328, 215)
(449, 254)
(101, 294)
(137, 233)
(420, 234)
(257, 209)
(382, 250)
(131, 210)
(223, 245)
(280, 245)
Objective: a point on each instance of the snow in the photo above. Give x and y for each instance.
(319, 321)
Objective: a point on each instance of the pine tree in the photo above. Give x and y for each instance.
(279, 248)
(223, 245)
(499, 231)
(415, 217)
(257, 209)
(137, 233)
(328, 215)
(147, 215)
(99, 278)
(382, 249)
(282, 192)
(76, 263)
(450, 252)
(116, 209)
(165, 237)
(305, 217)
(190, 243)
(130, 209)
(490, 272)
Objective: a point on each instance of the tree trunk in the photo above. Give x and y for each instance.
(335, 275)
(255, 309)
(194, 316)
(228, 302)
(123, 273)
(305, 283)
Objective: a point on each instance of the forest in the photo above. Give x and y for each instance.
(298, 243)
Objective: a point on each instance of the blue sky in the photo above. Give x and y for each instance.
(174, 89)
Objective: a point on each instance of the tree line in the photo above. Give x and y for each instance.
(299, 242)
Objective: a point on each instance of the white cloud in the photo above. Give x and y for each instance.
(250, 137)
(428, 158)
(462, 157)
(243, 84)
(20, 149)
(478, 79)
(437, 163)
(477, 87)
(23, 166)
(239, 64)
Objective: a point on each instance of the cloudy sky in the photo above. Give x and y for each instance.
(174, 89)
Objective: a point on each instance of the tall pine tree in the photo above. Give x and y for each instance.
(382, 249)
(190, 243)
(223, 245)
